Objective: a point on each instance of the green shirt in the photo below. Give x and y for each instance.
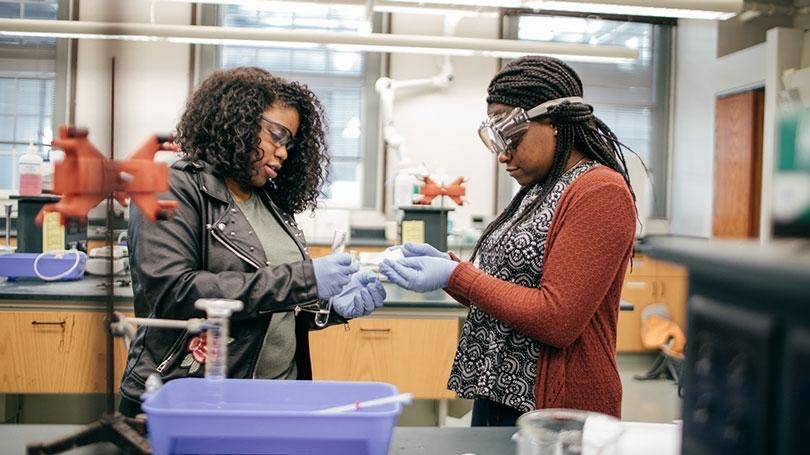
(277, 356)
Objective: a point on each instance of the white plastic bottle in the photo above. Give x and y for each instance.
(404, 183)
(30, 172)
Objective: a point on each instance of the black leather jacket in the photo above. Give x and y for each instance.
(209, 250)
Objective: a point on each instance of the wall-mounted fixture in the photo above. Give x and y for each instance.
(373, 42)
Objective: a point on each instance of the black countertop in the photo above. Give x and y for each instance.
(406, 440)
(638, 438)
(91, 289)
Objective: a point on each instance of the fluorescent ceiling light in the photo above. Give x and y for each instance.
(692, 9)
(686, 9)
(435, 10)
(432, 7)
(374, 42)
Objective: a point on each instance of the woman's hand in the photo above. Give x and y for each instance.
(361, 297)
(410, 250)
(332, 273)
(420, 274)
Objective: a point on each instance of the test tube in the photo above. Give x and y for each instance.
(338, 246)
(8, 225)
(339, 241)
(218, 313)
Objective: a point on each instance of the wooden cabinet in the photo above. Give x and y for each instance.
(413, 354)
(646, 283)
(54, 352)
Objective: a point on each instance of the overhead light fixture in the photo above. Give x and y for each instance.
(686, 9)
(436, 10)
(257, 37)
(430, 7)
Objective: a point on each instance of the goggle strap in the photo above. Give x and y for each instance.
(543, 108)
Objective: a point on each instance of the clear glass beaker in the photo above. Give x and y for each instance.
(567, 432)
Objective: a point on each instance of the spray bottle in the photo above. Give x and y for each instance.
(30, 172)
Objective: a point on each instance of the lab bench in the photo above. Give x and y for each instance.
(55, 339)
(637, 439)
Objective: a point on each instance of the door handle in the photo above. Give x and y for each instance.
(375, 330)
(59, 323)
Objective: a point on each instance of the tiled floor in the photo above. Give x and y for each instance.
(643, 401)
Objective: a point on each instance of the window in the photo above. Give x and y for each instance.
(28, 70)
(342, 80)
(631, 98)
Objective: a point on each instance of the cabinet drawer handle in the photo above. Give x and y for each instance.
(636, 284)
(375, 330)
(60, 323)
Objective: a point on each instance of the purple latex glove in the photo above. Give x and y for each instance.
(360, 297)
(422, 249)
(332, 273)
(419, 274)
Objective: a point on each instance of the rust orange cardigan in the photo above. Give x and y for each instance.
(575, 309)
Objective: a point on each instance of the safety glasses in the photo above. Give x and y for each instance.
(279, 134)
(503, 132)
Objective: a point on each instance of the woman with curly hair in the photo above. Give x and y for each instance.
(254, 154)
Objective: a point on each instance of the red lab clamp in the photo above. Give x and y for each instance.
(455, 191)
(85, 177)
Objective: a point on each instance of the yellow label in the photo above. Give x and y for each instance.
(53, 233)
(413, 231)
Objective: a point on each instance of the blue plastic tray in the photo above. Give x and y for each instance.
(21, 265)
(247, 416)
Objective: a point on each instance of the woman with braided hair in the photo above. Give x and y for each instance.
(254, 154)
(544, 280)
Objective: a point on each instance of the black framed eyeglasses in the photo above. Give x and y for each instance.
(279, 134)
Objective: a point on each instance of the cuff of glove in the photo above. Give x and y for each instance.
(462, 278)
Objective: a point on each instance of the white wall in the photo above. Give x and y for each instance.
(151, 79)
(440, 126)
(699, 78)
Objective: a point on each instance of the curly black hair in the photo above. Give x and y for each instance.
(221, 126)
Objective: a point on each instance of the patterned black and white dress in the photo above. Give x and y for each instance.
(494, 360)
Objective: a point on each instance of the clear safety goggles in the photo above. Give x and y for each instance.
(279, 134)
(502, 132)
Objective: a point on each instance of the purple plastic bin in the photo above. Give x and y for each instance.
(21, 265)
(255, 416)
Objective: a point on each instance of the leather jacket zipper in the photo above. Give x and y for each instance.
(224, 241)
(233, 249)
(170, 355)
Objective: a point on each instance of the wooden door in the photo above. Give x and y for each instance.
(738, 164)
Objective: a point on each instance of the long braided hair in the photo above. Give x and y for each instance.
(533, 80)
